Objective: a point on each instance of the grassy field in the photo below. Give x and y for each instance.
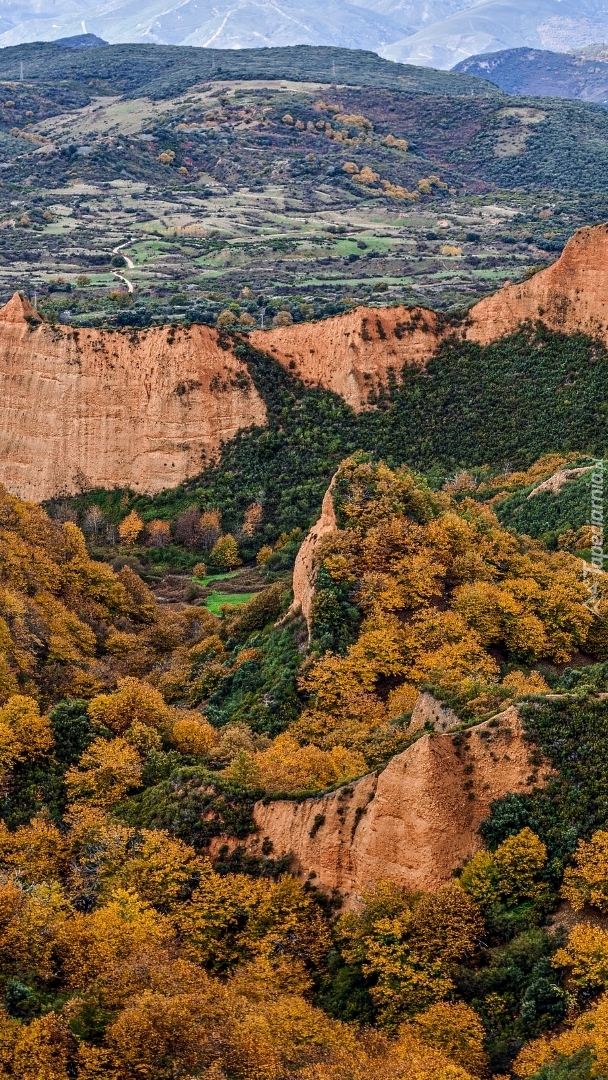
(216, 601)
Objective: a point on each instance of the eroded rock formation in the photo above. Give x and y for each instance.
(145, 408)
(351, 354)
(88, 408)
(415, 823)
(305, 568)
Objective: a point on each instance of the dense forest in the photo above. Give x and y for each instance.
(137, 737)
(481, 408)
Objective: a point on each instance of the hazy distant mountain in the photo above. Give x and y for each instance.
(435, 33)
(539, 72)
(225, 24)
(494, 25)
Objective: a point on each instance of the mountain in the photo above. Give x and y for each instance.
(227, 24)
(542, 73)
(495, 25)
(435, 33)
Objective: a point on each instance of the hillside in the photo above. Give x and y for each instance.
(150, 184)
(542, 73)
(164, 769)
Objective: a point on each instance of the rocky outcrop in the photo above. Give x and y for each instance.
(416, 822)
(352, 354)
(559, 480)
(428, 712)
(87, 408)
(305, 568)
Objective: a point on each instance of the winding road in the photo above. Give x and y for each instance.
(130, 264)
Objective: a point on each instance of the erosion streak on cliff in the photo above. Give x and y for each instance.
(351, 354)
(88, 408)
(415, 823)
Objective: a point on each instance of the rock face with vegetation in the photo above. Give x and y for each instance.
(415, 823)
(92, 408)
(149, 408)
(353, 353)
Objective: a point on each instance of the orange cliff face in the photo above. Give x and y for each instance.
(87, 408)
(415, 823)
(351, 354)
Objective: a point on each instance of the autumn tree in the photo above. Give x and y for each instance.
(587, 881)
(130, 528)
(252, 519)
(511, 875)
(105, 772)
(225, 553)
(158, 533)
(409, 943)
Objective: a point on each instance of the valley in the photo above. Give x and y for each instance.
(303, 608)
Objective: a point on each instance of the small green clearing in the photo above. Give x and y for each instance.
(216, 600)
(216, 577)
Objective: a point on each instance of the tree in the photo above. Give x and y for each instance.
(288, 767)
(210, 528)
(252, 519)
(225, 553)
(511, 875)
(408, 943)
(105, 773)
(193, 735)
(188, 528)
(283, 318)
(587, 881)
(24, 733)
(132, 701)
(130, 528)
(586, 956)
(94, 520)
(457, 1030)
(158, 533)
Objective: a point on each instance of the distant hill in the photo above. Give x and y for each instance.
(430, 33)
(163, 70)
(81, 41)
(496, 25)
(542, 73)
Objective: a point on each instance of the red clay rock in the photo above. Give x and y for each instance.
(87, 408)
(415, 823)
(351, 354)
(305, 568)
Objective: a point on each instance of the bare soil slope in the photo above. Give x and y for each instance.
(88, 408)
(415, 823)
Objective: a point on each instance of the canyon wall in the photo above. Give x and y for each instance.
(98, 408)
(352, 353)
(416, 822)
(147, 408)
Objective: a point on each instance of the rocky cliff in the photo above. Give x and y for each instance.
(351, 354)
(87, 408)
(416, 822)
(145, 408)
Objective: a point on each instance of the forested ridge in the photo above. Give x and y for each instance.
(137, 737)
